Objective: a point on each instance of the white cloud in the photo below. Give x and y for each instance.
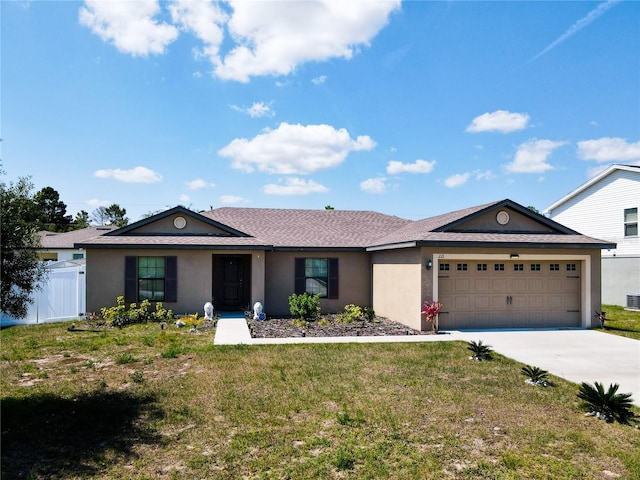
(499, 121)
(205, 20)
(319, 80)
(419, 166)
(257, 110)
(609, 149)
(273, 38)
(184, 198)
(232, 199)
(532, 156)
(457, 180)
(264, 38)
(199, 183)
(294, 149)
(294, 186)
(486, 175)
(130, 26)
(134, 175)
(374, 185)
(95, 203)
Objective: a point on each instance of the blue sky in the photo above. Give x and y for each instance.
(411, 109)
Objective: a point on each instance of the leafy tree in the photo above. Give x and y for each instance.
(328, 207)
(22, 272)
(81, 220)
(52, 212)
(117, 215)
(533, 209)
(111, 215)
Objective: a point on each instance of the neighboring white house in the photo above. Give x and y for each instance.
(606, 207)
(58, 247)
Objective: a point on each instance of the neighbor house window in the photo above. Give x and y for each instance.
(78, 256)
(571, 267)
(461, 267)
(444, 267)
(498, 267)
(518, 267)
(554, 267)
(150, 278)
(317, 276)
(535, 267)
(482, 267)
(630, 222)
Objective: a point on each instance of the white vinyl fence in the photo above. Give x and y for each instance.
(61, 298)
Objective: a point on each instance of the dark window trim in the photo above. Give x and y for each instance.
(333, 274)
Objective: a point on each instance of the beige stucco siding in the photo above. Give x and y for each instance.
(354, 280)
(397, 280)
(106, 275)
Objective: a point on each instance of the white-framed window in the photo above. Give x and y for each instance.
(631, 222)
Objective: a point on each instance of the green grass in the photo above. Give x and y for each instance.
(401, 411)
(621, 322)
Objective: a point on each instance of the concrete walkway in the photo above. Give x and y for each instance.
(575, 355)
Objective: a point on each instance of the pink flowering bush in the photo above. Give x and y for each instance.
(430, 310)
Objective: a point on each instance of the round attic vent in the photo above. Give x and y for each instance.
(502, 217)
(179, 222)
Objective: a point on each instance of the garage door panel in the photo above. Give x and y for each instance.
(547, 295)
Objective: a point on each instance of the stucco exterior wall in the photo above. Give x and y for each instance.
(397, 285)
(106, 275)
(354, 277)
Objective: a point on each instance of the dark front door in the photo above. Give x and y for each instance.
(231, 281)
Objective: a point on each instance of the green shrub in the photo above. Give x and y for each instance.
(608, 405)
(535, 375)
(119, 316)
(479, 350)
(352, 313)
(305, 307)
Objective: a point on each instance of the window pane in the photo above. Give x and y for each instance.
(630, 215)
(316, 285)
(316, 267)
(151, 278)
(631, 230)
(151, 290)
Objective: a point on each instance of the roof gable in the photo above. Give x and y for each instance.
(485, 225)
(178, 221)
(633, 170)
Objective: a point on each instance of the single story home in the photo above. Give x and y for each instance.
(498, 265)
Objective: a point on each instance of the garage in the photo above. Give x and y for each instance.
(490, 293)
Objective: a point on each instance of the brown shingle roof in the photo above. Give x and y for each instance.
(309, 228)
(68, 239)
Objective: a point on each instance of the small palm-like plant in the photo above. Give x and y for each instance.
(608, 405)
(535, 375)
(479, 350)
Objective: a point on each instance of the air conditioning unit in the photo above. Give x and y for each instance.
(633, 301)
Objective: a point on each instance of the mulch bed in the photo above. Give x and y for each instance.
(328, 327)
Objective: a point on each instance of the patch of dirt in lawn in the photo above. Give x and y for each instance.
(329, 326)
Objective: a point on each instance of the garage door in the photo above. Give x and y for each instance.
(514, 294)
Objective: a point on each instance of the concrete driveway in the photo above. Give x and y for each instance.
(575, 355)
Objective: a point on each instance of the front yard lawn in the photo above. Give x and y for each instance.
(146, 403)
(621, 322)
